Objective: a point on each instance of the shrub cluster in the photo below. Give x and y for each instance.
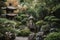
(24, 32)
(53, 36)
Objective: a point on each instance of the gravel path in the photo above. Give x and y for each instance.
(21, 38)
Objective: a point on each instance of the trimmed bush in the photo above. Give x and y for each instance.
(45, 27)
(53, 36)
(24, 32)
(41, 22)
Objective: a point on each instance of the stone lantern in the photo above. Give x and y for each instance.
(31, 23)
(10, 11)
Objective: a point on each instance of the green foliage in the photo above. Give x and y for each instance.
(45, 27)
(41, 22)
(37, 7)
(22, 17)
(41, 10)
(7, 22)
(2, 20)
(53, 36)
(18, 25)
(24, 32)
(16, 31)
(51, 18)
(8, 25)
(18, 18)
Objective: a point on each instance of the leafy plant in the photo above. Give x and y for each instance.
(24, 32)
(41, 22)
(53, 36)
(45, 27)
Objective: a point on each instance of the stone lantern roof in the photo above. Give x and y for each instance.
(31, 17)
(9, 7)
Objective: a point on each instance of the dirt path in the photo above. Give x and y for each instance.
(21, 38)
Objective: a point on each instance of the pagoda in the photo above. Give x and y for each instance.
(10, 11)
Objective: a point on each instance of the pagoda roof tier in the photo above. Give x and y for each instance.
(9, 7)
(11, 14)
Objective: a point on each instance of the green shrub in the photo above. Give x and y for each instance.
(53, 36)
(45, 27)
(24, 32)
(13, 30)
(51, 18)
(2, 20)
(7, 23)
(40, 22)
(18, 18)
